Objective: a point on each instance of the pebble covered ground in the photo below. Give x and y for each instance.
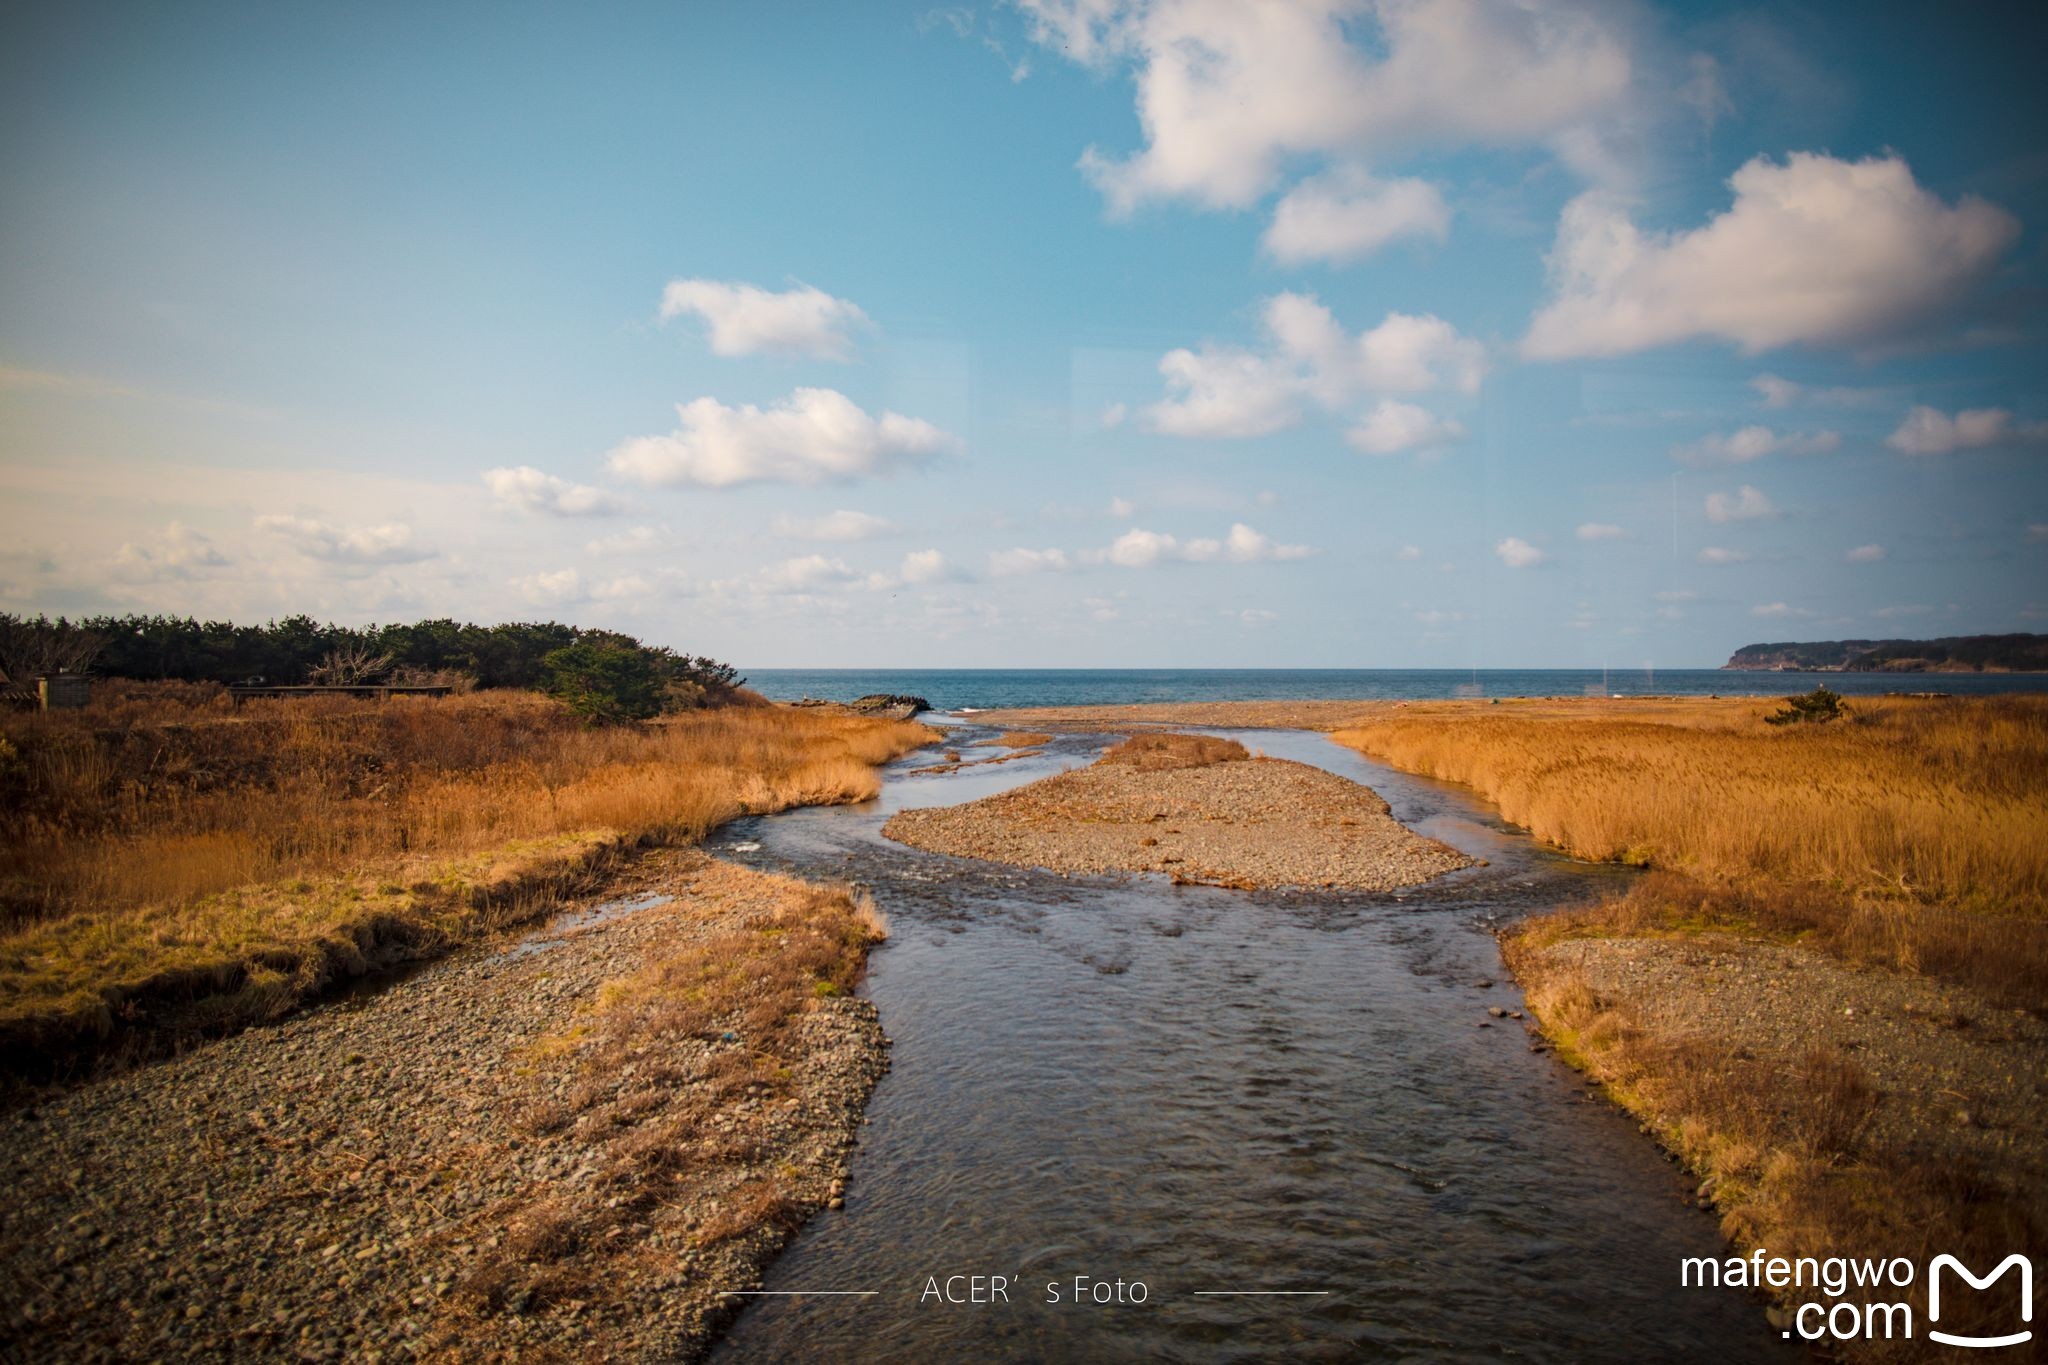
(1253, 824)
(1954, 1075)
(369, 1179)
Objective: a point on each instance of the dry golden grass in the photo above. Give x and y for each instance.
(1020, 739)
(1914, 832)
(677, 1120)
(1789, 1153)
(173, 849)
(1158, 753)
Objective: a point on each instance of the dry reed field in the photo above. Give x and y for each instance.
(1913, 832)
(164, 848)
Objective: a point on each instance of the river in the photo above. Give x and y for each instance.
(1277, 1112)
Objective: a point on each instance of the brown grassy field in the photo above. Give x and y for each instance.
(1914, 832)
(162, 848)
(1910, 837)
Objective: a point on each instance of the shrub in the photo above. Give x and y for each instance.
(607, 683)
(1814, 708)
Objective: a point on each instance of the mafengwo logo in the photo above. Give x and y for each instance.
(1945, 1261)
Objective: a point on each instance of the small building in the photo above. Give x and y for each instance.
(63, 691)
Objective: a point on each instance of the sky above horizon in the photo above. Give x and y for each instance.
(1063, 333)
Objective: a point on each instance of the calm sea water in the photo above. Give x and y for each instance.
(954, 689)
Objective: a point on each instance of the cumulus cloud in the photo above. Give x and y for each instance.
(551, 589)
(1409, 553)
(1228, 93)
(1139, 548)
(811, 436)
(1518, 553)
(1865, 554)
(1349, 214)
(1392, 427)
(177, 552)
(1784, 393)
(1009, 563)
(1717, 555)
(839, 525)
(744, 319)
(638, 540)
(1600, 530)
(1814, 250)
(1929, 431)
(1232, 391)
(529, 490)
(390, 543)
(1746, 503)
(1753, 443)
(804, 573)
(925, 566)
(1778, 609)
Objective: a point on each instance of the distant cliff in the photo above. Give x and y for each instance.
(1953, 654)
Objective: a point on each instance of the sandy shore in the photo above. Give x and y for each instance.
(1254, 823)
(484, 1159)
(1224, 715)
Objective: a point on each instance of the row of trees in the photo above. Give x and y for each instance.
(604, 674)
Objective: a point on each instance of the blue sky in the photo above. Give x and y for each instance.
(1067, 333)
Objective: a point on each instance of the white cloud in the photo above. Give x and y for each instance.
(1909, 609)
(839, 525)
(1518, 553)
(1408, 552)
(1349, 214)
(529, 490)
(1865, 554)
(1784, 393)
(1252, 616)
(390, 543)
(1746, 503)
(623, 588)
(635, 541)
(804, 573)
(1715, 554)
(1228, 93)
(1816, 250)
(811, 436)
(1113, 416)
(1122, 508)
(925, 566)
(177, 552)
(1600, 530)
(1676, 595)
(554, 589)
(1778, 609)
(747, 320)
(1392, 427)
(1009, 563)
(1753, 443)
(1231, 391)
(1929, 431)
(1139, 548)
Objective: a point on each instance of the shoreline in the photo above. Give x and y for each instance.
(484, 1156)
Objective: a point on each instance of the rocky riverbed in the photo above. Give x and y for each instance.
(1251, 823)
(491, 1158)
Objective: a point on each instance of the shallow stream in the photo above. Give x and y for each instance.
(1213, 1093)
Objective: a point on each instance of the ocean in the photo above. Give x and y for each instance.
(958, 689)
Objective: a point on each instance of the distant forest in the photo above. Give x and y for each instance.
(1951, 654)
(299, 649)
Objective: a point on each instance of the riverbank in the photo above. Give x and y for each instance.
(1197, 810)
(548, 1148)
(175, 867)
(1827, 997)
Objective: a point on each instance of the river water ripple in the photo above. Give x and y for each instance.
(1208, 1090)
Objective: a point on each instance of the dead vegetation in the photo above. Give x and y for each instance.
(165, 858)
(1910, 832)
(679, 1078)
(1789, 1148)
(1154, 753)
(1019, 739)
